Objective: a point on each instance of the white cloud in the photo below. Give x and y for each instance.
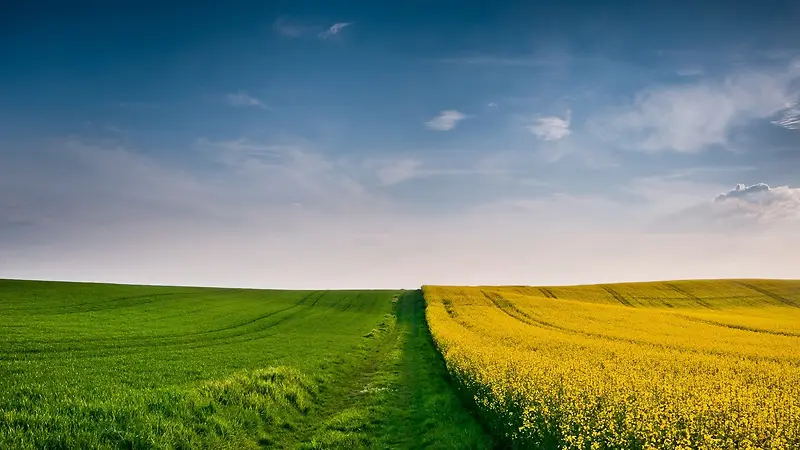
(690, 118)
(742, 190)
(75, 188)
(761, 204)
(743, 208)
(551, 128)
(790, 117)
(294, 29)
(446, 120)
(334, 29)
(288, 173)
(244, 99)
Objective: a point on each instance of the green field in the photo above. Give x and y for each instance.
(117, 366)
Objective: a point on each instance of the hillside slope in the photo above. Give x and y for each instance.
(116, 366)
(684, 364)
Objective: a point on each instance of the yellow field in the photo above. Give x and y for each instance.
(684, 364)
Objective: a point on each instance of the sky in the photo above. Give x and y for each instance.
(362, 144)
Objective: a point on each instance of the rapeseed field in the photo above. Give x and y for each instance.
(667, 365)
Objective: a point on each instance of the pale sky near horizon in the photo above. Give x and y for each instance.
(356, 144)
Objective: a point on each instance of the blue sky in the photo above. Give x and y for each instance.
(361, 144)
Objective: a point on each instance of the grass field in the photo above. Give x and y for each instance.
(685, 364)
(116, 366)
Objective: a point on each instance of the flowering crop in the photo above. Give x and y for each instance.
(677, 365)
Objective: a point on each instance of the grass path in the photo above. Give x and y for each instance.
(398, 396)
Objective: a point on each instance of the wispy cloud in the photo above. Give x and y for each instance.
(790, 117)
(700, 170)
(289, 172)
(690, 71)
(551, 128)
(398, 171)
(334, 29)
(446, 120)
(507, 61)
(391, 172)
(283, 26)
(690, 118)
(239, 149)
(53, 191)
(297, 29)
(242, 98)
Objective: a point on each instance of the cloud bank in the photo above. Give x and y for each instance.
(742, 190)
(754, 208)
(283, 215)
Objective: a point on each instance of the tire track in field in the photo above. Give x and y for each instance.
(769, 294)
(149, 346)
(152, 348)
(101, 305)
(515, 313)
(162, 337)
(269, 314)
(453, 314)
(171, 341)
(739, 327)
(617, 296)
(251, 336)
(448, 307)
(689, 295)
(317, 299)
(547, 293)
(511, 310)
(343, 297)
(718, 298)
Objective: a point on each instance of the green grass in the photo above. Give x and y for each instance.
(400, 397)
(116, 366)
